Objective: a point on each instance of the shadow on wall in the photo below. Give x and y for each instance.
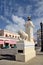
(8, 57)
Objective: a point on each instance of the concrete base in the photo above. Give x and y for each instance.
(28, 51)
(29, 56)
(20, 57)
(25, 58)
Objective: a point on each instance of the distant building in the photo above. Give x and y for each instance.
(8, 38)
(39, 37)
(6, 33)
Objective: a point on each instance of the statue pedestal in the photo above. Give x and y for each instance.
(28, 53)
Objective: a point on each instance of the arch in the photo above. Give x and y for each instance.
(6, 35)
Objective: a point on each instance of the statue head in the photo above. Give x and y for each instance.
(29, 18)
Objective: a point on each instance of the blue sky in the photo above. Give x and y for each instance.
(14, 13)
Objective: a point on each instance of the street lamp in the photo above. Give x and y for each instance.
(41, 24)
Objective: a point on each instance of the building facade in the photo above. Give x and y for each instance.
(8, 39)
(39, 37)
(6, 33)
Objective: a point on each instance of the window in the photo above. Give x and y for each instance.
(13, 45)
(6, 35)
(13, 36)
(1, 45)
(6, 45)
(9, 35)
(20, 51)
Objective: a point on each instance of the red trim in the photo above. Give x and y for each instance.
(1, 41)
(7, 41)
(10, 41)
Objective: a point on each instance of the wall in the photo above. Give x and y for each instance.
(9, 34)
(1, 32)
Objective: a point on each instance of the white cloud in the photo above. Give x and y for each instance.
(12, 27)
(1, 17)
(18, 20)
(37, 23)
(24, 11)
(39, 10)
(18, 26)
(5, 19)
(20, 11)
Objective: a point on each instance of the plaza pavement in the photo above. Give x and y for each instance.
(38, 60)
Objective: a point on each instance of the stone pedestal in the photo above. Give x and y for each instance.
(28, 51)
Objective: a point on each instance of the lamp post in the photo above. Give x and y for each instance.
(41, 24)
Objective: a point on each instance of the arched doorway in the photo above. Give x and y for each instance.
(6, 45)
